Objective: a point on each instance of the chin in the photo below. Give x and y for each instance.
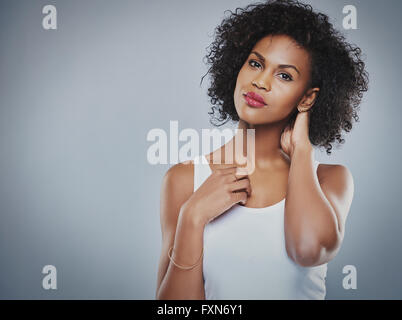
(254, 118)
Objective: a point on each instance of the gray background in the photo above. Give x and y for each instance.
(76, 105)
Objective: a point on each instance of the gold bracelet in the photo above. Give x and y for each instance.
(184, 267)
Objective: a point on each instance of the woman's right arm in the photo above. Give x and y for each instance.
(183, 218)
(185, 233)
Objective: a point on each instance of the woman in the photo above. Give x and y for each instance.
(281, 69)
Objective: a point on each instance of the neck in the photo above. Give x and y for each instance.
(267, 142)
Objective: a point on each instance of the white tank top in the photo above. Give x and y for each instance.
(245, 256)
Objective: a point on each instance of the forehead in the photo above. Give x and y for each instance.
(282, 49)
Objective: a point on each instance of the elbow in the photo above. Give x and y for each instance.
(307, 255)
(314, 254)
(307, 259)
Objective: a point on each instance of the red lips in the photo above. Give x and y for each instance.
(255, 97)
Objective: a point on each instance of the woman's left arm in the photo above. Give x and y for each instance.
(315, 209)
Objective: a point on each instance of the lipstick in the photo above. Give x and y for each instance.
(254, 100)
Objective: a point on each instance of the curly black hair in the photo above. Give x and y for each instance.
(337, 68)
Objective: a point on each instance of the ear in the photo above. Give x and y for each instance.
(308, 99)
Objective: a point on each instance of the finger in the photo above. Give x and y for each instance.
(242, 171)
(240, 185)
(233, 171)
(232, 177)
(228, 170)
(245, 189)
(239, 197)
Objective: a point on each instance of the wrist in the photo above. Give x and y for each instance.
(305, 148)
(191, 217)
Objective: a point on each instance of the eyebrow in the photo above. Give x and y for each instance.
(280, 66)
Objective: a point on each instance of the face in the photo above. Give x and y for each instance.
(278, 71)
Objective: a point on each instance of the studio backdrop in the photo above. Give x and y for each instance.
(84, 84)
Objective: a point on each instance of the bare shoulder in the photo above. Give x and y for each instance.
(178, 182)
(176, 189)
(181, 173)
(334, 172)
(337, 184)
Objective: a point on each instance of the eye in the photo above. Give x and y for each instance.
(253, 61)
(287, 77)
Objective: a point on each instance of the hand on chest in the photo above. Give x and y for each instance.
(267, 187)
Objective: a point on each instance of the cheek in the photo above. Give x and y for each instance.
(239, 89)
(288, 96)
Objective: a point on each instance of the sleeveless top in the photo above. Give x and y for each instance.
(245, 256)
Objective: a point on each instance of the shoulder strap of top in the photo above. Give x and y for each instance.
(316, 163)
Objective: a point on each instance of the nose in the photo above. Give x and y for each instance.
(262, 82)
